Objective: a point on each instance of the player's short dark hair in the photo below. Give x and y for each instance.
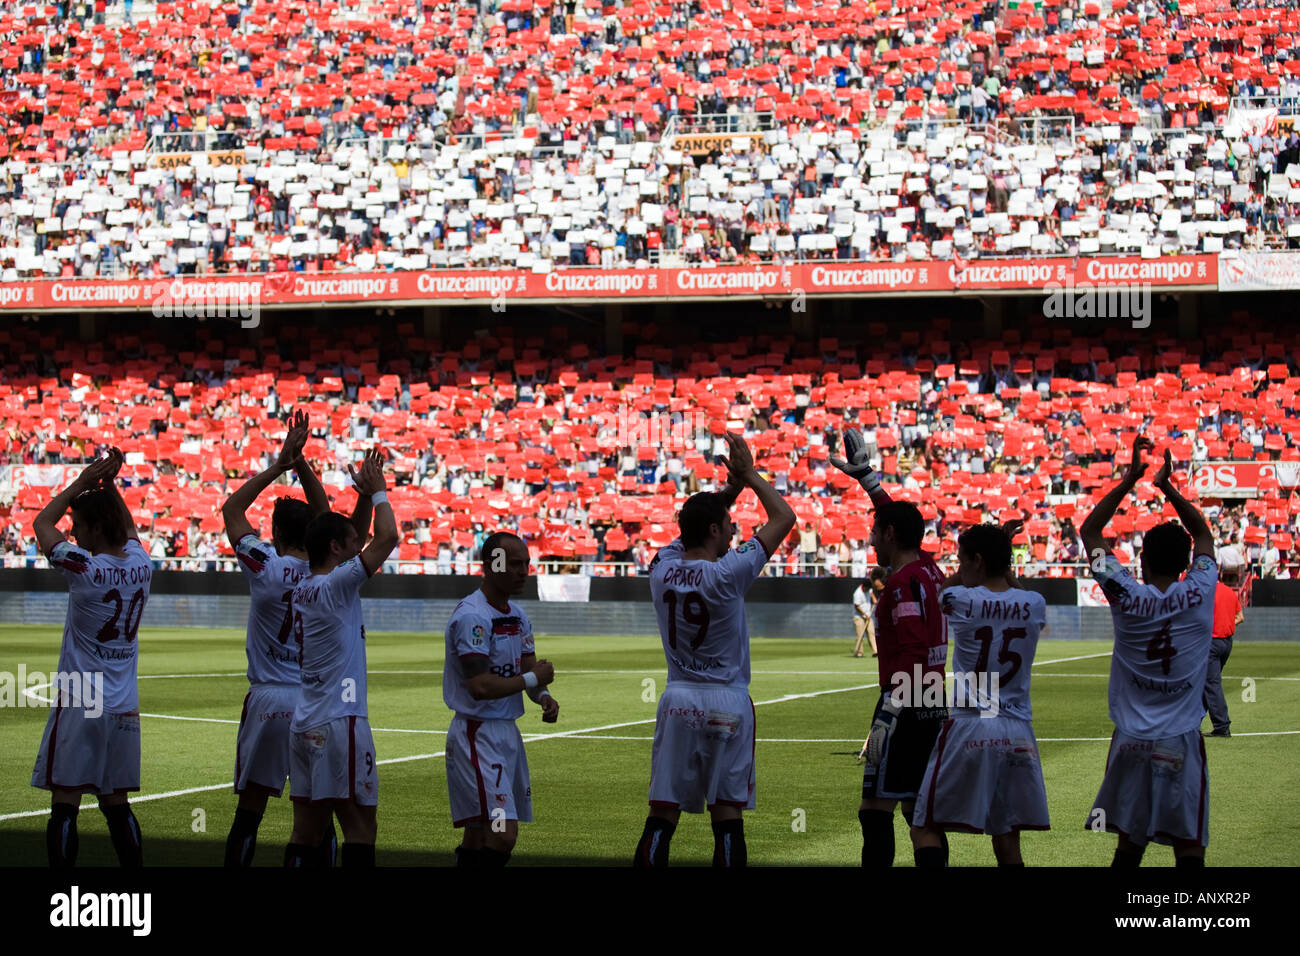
(289, 521)
(905, 518)
(100, 507)
(493, 541)
(324, 529)
(700, 512)
(878, 573)
(1167, 549)
(989, 543)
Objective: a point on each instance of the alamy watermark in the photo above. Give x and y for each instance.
(670, 431)
(209, 300)
(75, 689)
(933, 689)
(1087, 301)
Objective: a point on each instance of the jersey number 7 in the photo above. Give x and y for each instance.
(694, 611)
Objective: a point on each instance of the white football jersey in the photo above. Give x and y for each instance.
(332, 640)
(273, 654)
(701, 611)
(993, 632)
(478, 630)
(1162, 645)
(106, 599)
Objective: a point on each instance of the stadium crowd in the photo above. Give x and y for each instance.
(265, 136)
(588, 457)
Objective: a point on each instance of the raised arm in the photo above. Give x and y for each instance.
(317, 500)
(780, 516)
(100, 472)
(1091, 531)
(234, 511)
(1188, 513)
(371, 484)
(859, 468)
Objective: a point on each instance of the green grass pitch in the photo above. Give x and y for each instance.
(591, 770)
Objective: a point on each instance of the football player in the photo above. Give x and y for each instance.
(703, 751)
(273, 571)
(912, 640)
(490, 662)
(984, 774)
(1156, 786)
(93, 745)
(332, 753)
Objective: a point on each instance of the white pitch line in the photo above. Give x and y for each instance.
(165, 676)
(225, 720)
(1081, 657)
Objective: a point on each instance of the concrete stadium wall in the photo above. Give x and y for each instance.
(425, 615)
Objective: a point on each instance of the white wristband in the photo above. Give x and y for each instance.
(379, 498)
(544, 693)
(530, 680)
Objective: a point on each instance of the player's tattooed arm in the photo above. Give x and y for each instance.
(1091, 532)
(1188, 513)
(99, 473)
(235, 511)
(482, 684)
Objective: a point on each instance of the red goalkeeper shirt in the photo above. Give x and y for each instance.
(910, 626)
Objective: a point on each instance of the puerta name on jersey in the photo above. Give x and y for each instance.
(112, 576)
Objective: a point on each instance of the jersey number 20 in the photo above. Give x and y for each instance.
(134, 611)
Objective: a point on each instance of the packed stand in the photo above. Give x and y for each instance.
(264, 136)
(589, 457)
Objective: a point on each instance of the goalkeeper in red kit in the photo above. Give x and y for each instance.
(912, 638)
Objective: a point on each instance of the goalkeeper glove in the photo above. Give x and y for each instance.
(857, 465)
(881, 728)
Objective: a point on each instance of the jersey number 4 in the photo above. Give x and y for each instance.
(134, 611)
(1161, 648)
(694, 611)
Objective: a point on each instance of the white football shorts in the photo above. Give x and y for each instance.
(332, 762)
(262, 748)
(984, 776)
(703, 752)
(99, 755)
(1155, 790)
(487, 772)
